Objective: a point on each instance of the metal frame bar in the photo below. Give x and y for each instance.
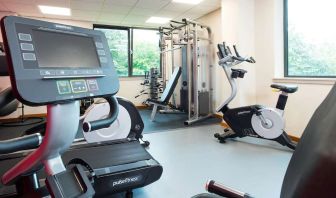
(189, 68)
(195, 72)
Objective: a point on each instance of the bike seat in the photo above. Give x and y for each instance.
(285, 88)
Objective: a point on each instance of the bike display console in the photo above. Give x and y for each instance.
(57, 62)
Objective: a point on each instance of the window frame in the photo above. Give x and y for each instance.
(285, 31)
(130, 45)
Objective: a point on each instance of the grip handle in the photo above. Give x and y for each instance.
(236, 51)
(21, 143)
(224, 191)
(106, 122)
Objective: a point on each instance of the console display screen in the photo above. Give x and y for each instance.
(61, 50)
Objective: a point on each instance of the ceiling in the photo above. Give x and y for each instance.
(114, 12)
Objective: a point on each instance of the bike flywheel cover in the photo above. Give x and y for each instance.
(274, 118)
(119, 129)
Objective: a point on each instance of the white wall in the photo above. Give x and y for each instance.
(129, 87)
(269, 56)
(238, 28)
(227, 25)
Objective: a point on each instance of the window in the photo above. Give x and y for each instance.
(310, 41)
(143, 43)
(118, 43)
(146, 51)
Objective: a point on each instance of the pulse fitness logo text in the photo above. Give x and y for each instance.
(126, 180)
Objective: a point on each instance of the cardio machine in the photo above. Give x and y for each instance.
(57, 66)
(255, 120)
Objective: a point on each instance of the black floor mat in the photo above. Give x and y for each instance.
(165, 122)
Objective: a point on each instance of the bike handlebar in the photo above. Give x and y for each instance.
(21, 143)
(226, 56)
(236, 51)
(106, 122)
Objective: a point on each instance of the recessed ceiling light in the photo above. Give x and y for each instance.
(160, 20)
(55, 10)
(193, 2)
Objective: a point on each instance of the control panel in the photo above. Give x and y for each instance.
(57, 62)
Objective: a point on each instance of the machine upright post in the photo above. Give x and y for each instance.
(189, 69)
(195, 69)
(172, 52)
(163, 59)
(210, 74)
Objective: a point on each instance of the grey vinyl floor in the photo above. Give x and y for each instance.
(191, 156)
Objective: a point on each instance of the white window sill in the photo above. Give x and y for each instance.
(312, 81)
(137, 78)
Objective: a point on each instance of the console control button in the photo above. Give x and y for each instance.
(99, 45)
(78, 86)
(29, 56)
(27, 46)
(92, 84)
(63, 87)
(103, 59)
(101, 52)
(24, 37)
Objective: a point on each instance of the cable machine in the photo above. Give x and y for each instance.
(189, 43)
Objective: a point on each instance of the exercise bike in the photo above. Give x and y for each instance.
(255, 120)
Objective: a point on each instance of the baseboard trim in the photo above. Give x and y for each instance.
(294, 138)
(223, 124)
(140, 107)
(216, 115)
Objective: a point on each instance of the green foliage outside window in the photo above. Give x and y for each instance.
(118, 43)
(146, 52)
(311, 38)
(145, 55)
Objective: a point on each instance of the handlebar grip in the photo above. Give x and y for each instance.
(251, 60)
(224, 191)
(236, 51)
(106, 122)
(228, 50)
(21, 143)
(239, 58)
(225, 60)
(224, 47)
